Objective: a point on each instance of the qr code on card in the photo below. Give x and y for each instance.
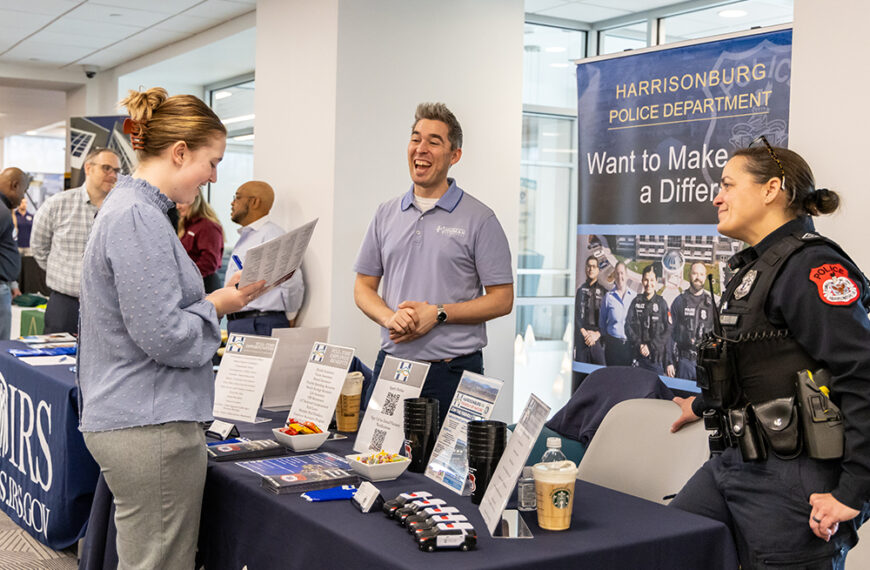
(390, 403)
(377, 442)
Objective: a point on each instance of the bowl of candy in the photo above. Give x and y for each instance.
(381, 466)
(300, 436)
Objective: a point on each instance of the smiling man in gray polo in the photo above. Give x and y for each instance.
(436, 248)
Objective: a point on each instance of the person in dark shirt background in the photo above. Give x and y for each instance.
(692, 314)
(588, 346)
(647, 325)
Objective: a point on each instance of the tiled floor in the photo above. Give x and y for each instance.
(20, 551)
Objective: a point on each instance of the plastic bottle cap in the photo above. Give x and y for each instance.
(554, 442)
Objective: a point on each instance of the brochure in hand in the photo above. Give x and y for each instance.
(246, 450)
(296, 474)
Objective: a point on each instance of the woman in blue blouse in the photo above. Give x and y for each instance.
(148, 334)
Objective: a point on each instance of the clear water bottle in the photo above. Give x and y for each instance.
(526, 498)
(554, 451)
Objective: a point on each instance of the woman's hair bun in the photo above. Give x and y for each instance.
(141, 104)
(821, 201)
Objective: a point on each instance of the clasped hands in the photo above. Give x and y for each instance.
(411, 320)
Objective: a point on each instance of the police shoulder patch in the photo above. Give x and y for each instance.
(834, 284)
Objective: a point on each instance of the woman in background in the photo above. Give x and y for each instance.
(148, 334)
(202, 236)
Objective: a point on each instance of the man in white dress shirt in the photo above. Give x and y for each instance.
(276, 308)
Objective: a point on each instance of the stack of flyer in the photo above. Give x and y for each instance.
(300, 473)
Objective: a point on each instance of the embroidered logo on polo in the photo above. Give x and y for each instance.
(450, 232)
(746, 285)
(834, 284)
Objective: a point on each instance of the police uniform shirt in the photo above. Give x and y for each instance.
(693, 317)
(648, 323)
(587, 305)
(820, 297)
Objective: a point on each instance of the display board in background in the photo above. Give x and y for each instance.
(86, 133)
(655, 129)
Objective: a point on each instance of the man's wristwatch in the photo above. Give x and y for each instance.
(442, 314)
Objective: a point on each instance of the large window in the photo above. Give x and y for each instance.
(233, 101)
(724, 19)
(614, 40)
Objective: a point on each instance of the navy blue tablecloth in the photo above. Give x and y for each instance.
(245, 525)
(47, 475)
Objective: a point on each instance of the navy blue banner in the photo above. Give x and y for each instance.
(655, 131)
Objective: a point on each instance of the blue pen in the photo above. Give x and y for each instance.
(238, 261)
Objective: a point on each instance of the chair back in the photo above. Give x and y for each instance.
(634, 451)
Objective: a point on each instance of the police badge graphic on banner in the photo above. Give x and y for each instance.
(655, 128)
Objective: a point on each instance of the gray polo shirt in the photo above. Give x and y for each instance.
(446, 255)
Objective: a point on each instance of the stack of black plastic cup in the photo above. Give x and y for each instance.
(486, 441)
(421, 431)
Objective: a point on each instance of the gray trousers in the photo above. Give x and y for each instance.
(156, 474)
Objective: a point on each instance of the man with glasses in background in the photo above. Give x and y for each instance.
(13, 186)
(60, 232)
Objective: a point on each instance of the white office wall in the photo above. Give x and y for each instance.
(337, 85)
(828, 124)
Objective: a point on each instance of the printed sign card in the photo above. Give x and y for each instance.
(321, 384)
(383, 426)
(242, 376)
(509, 467)
(474, 400)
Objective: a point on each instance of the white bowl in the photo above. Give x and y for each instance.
(380, 472)
(301, 442)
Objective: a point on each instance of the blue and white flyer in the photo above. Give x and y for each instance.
(474, 400)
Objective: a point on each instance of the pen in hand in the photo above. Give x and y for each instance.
(238, 263)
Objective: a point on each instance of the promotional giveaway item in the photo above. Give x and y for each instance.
(277, 259)
(486, 441)
(421, 431)
(507, 524)
(474, 400)
(289, 364)
(381, 428)
(321, 384)
(242, 376)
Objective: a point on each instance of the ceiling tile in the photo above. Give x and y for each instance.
(111, 15)
(533, 6)
(107, 32)
(165, 7)
(46, 7)
(583, 12)
(220, 9)
(45, 51)
(188, 24)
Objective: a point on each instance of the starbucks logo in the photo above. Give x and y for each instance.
(561, 498)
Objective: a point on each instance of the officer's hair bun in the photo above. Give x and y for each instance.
(821, 201)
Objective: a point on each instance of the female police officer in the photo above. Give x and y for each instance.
(795, 302)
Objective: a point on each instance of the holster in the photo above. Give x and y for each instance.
(778, 420)
(742, 426)
(821, 419)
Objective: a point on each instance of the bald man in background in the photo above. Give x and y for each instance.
(276, 308)
(13, 185)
